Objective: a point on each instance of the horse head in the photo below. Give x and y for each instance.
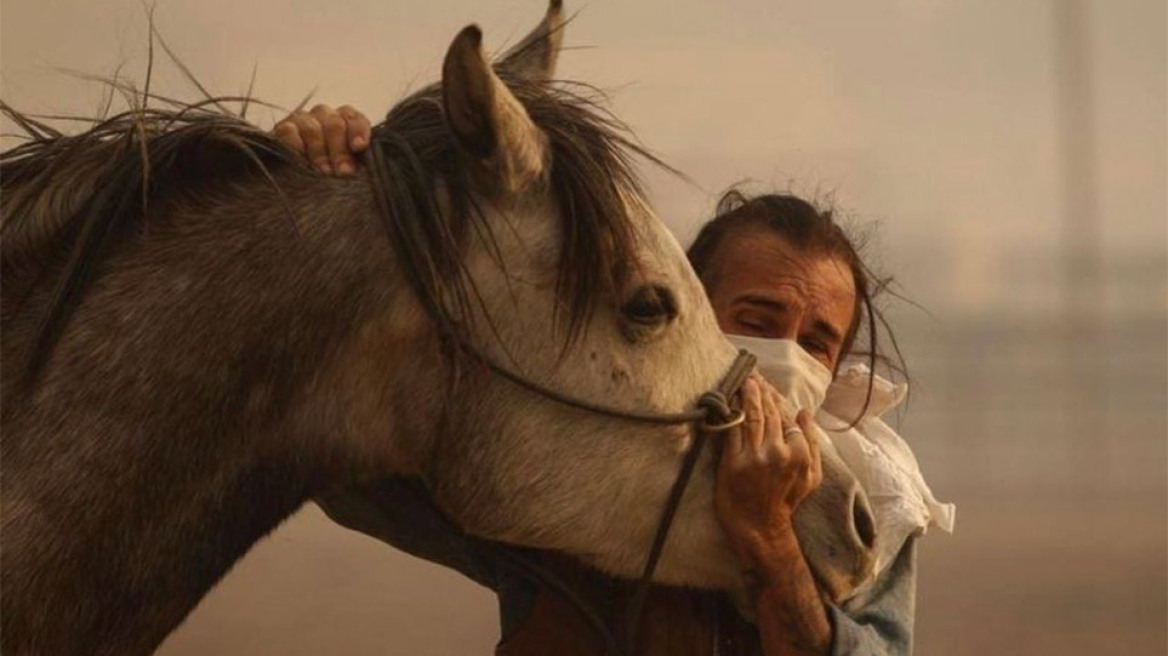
(579, 286)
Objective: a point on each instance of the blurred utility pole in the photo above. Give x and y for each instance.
(1082, 288)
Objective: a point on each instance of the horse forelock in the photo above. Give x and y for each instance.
(590, 181)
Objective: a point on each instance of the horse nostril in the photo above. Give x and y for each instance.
(650, 305)
(862, 520)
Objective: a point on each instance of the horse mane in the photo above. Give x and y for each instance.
(71, 200)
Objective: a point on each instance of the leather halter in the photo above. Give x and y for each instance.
(713, 414)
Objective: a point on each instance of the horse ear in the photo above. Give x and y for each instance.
(534, 58)
(488, 120)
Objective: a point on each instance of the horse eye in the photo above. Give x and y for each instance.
(651, 305)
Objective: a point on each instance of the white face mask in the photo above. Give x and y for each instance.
(799, 377)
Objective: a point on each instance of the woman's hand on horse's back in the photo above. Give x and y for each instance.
(327, 137)
(769, 465)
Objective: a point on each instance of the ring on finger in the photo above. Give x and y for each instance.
(791, 430)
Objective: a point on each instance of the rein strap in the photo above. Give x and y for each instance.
(718, 417)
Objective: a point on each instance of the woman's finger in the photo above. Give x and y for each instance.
(813, 447)
(799, 452)
(357, 128)
(773, 421)
(755, 419)
(734, 443)
(313, 136)
(335, 138)
(287, 132)
(732, 453)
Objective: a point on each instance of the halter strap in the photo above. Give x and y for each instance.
(719, 416)
(713, 407)
(713, 414)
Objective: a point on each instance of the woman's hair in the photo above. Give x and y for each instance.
(810, 230)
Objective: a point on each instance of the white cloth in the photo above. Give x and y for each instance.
(901, 501)
(799, 377)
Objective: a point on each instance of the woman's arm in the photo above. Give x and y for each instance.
(790, 616)
(762, 478)
(768, 467)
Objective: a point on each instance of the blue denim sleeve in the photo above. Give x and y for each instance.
(879, 621)
(398, 511)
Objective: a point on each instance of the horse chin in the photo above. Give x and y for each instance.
(700, 568)
(696, 555)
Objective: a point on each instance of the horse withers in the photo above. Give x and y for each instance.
(200, 333)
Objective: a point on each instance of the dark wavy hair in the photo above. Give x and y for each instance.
(811, 230)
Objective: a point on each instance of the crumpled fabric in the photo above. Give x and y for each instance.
(802, 380)
(901, 502)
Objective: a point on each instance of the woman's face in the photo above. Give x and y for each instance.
(760, 286)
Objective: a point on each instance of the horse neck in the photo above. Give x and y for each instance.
(108, 551)
(674, 621)
(169, 433)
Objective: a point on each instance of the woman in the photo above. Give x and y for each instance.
(774, 268)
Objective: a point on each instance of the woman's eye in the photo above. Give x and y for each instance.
(754, 323)
(753, 327)
(814, 347)
(819, 351)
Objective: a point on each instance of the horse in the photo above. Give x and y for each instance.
(201, 333)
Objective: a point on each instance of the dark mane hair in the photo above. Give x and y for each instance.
(70, 200)
(591, 172)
